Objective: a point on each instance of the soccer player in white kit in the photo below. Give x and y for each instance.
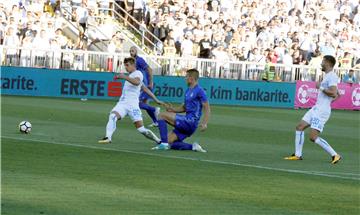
(316, 117)
(128, 103)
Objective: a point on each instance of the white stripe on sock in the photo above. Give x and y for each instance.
(326, 146)
(299, 143)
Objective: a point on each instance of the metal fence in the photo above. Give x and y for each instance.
(173, 66)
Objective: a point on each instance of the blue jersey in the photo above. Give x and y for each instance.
(142, 66)
(186, 125)
(194, 97)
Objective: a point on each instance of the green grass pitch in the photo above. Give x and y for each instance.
(60, 169)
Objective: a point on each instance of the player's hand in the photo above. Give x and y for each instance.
(169, 108)
(160, 102)
(119, 76)
(165, 105)
(318, 85)
(203, 126)
(337, 96)
(150, 86)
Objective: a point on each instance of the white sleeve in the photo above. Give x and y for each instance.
(333, 80)
(138, 74)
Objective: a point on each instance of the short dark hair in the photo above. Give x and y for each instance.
(193, 73)
(130, 60)
(330, 59)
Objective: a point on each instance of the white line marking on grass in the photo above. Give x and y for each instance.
(338, 173)
(314, 173)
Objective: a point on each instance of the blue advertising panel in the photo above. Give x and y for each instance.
(58, 83)
(230, 92)
(99, 85)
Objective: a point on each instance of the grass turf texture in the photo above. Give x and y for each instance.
(60, 169)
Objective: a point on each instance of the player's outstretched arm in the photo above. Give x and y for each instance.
(151, 81)
(134, 81)
(148, 91)
(205, 120)
(180, 109)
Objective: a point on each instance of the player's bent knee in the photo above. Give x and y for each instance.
(162, 115)
(115, 114)
(299, 127)
(313, 138)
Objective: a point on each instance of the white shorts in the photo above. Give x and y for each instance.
(132, 110)
(316, 118)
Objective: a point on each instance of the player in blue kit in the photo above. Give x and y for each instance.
(143, 67)
(185, 125)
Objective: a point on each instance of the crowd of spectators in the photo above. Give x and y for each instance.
(289, 32)
(38, 25)
(278, 31)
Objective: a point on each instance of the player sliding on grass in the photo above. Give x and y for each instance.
(317, 116)
(128, 103)
(185, 125)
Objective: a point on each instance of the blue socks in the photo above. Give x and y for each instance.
(163, 131)
(181, 146)
(178, 145)
(149, 109)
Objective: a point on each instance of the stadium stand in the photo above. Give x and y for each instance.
(264, 33)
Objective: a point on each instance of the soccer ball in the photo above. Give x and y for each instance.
(25, 127)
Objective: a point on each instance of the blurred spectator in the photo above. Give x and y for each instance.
(82, 15)
(79, 58)
(220, 54)
(60, 38)
(205, 47)
(25, 56)
(298, 58)
(11, 40)
(253, 69)
(315, 63)
(350, 77)
(104, 6)
(67, 58)
(54, 56)
(138, 12)
(41, 42)
(346, 61)
(287, 60)
(187, 45)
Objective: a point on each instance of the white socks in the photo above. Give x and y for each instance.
(148, 134)
(111, 125)
(321, 142)
(299, 143)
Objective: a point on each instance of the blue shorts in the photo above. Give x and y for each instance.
(144, 95)
(184, 127)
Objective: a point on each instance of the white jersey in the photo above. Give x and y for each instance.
(130, 92)
(324, 101)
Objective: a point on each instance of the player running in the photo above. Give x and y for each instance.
(128, 103)
(316, 117)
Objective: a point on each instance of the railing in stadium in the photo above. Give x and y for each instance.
(173, 66)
